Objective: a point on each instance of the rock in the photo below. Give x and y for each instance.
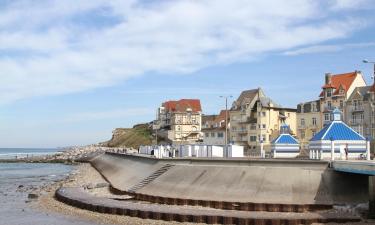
(20, 186)
(101, 185)
(90, 186)
(33, 195)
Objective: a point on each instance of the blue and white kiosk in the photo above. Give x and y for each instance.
(285, 145)
(336, 140)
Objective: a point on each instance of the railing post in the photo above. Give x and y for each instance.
(332, 150)
(368, 152)
(371, 191)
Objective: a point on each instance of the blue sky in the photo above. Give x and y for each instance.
(71, 72)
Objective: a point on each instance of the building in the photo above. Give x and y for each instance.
(336, 91)
(255, 118)
(308, 121)
(313, 115)
(285, 145)
(180, 121)
(213, 128)
(339, 137)
(359, 110)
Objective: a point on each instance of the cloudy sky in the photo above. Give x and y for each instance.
(71, 71)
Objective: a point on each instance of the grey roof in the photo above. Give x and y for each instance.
(267, 102)
(206, 118)
(362, 91)
(247, 97)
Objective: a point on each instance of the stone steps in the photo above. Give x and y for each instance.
(150, 178)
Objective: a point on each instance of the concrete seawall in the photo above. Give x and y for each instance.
(235, 180)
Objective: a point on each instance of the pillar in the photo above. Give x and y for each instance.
(311, 154)
(371, 191)
(368, 150)
(321, 154)
(332, 150)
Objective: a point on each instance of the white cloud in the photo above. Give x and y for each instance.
(57, 47)
(328, 48)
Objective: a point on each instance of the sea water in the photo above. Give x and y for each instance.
(14, 206)
(12, 153)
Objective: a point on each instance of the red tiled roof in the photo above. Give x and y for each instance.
(344, 80)
(182, 105)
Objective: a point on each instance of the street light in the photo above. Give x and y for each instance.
(366, 61)
(226, 119)
(373, 77)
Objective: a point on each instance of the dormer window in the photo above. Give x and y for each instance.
(329, 92)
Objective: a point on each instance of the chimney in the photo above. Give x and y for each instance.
(328, 78)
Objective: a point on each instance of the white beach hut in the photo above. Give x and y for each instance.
(285, 145)
(335, 139)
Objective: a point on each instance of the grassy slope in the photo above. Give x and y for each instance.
(131, 137)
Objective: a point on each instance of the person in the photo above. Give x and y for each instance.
(346, 151)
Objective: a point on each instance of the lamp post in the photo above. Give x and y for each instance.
(226, 122)
(371, 105)
(366, 61)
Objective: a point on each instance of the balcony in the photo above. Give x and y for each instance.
(356, 122)
(328, 108)
(357, 108)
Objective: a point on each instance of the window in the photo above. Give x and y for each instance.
(314, 121)
(263, 137)
(207, 135)
(302, 134)
(313, 133)
(326, 116)
(212, 134)
(341, 104)
(220, 135)
(263, 114)
(329, 104)
(329, 92)
(264, 126)
(253, 138)
(302, 122)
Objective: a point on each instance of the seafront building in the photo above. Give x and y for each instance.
(180, 121)
(255, 119)
(336, 90)
(360, 111)
(213, 128)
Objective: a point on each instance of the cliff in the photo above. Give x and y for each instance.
(140, 134)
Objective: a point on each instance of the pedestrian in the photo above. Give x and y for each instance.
(346, 151)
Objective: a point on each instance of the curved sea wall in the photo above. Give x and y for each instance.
(233, 180)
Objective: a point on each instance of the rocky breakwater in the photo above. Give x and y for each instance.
(73, 154)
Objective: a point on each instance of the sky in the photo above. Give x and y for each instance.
(72, 71)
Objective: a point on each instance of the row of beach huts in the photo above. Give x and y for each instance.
(336, 140)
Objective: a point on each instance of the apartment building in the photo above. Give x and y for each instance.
(308, 121)
(336, 90)
(213, 128)
(180, 120)
(255, 118)
(360, 111)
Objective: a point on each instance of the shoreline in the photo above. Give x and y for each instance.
(85, 175)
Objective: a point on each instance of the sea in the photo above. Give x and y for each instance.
(12, 153)
(15, 207)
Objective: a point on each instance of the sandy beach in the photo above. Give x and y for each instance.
(85, 175)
